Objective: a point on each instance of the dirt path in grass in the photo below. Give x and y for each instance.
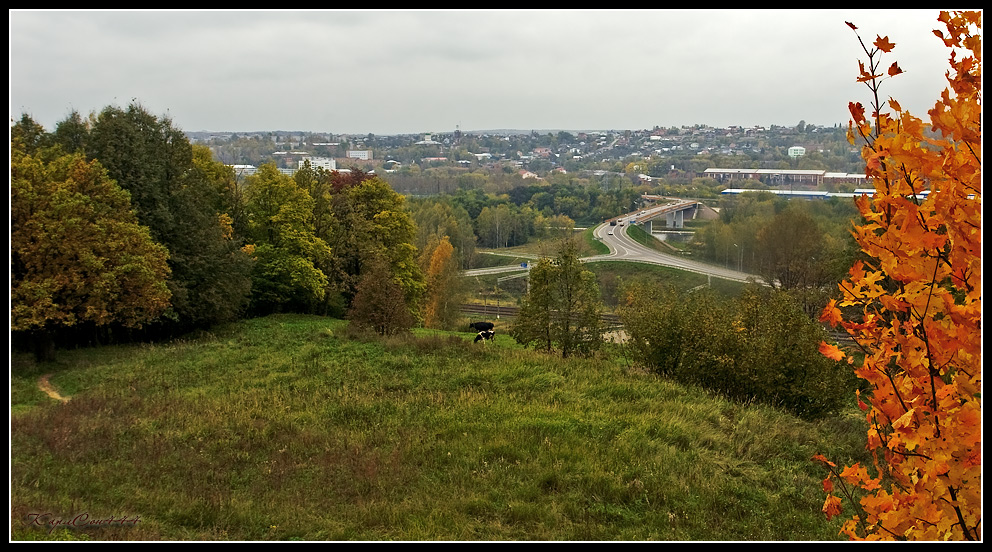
(45, 386)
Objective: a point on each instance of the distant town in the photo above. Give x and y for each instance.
(803, 157)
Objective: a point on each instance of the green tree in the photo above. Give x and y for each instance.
(177, 201)
(288, 254)
(493, 226)
(227, 194)
(656, 322)
(318, 184)
(436, 219)
(72, 132)
(372, 221)
(790, 249)
(78, 255)
(775, 346)
(534, 320)
(379, 304)
(562, 307)
(29, 135)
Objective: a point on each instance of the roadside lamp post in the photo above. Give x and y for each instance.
(740, 257)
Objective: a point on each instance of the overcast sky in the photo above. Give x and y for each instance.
(399, 72)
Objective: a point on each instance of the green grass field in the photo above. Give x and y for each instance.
(287, 428)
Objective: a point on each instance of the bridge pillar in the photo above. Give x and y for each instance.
(670, 220)
(647, 227)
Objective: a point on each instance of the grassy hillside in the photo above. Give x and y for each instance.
(284, 428)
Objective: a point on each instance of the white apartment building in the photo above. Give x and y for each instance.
(244, 170)
(320, 163)
(360, 154)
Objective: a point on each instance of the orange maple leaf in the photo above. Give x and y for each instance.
(823, 459)
(883, 44)
(894, 69)
(831, 351)
(861, 403)
(852, 474)
(831, 506)
(857, 111)
(857, 270)
(831, 314)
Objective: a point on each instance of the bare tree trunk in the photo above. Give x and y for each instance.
(43, 344)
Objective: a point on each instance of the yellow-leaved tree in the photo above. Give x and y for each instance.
(442, 300)
(918, 303)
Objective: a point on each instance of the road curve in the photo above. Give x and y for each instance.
(624, 248)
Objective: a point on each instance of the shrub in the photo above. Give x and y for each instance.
(758, 347)
(378, 305)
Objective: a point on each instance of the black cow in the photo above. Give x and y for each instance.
(482, 326)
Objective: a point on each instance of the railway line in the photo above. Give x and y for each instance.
(610, 321)
(492, 311)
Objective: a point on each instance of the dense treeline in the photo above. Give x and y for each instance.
(229, 247)
(802, 246)
(119, 224)
(530, 209)
(273, 242)
(171, 197)
(80, 258)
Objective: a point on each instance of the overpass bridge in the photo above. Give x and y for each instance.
(675, 213)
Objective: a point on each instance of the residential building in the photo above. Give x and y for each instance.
(327, 163)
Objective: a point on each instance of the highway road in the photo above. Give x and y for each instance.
(624, 248)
